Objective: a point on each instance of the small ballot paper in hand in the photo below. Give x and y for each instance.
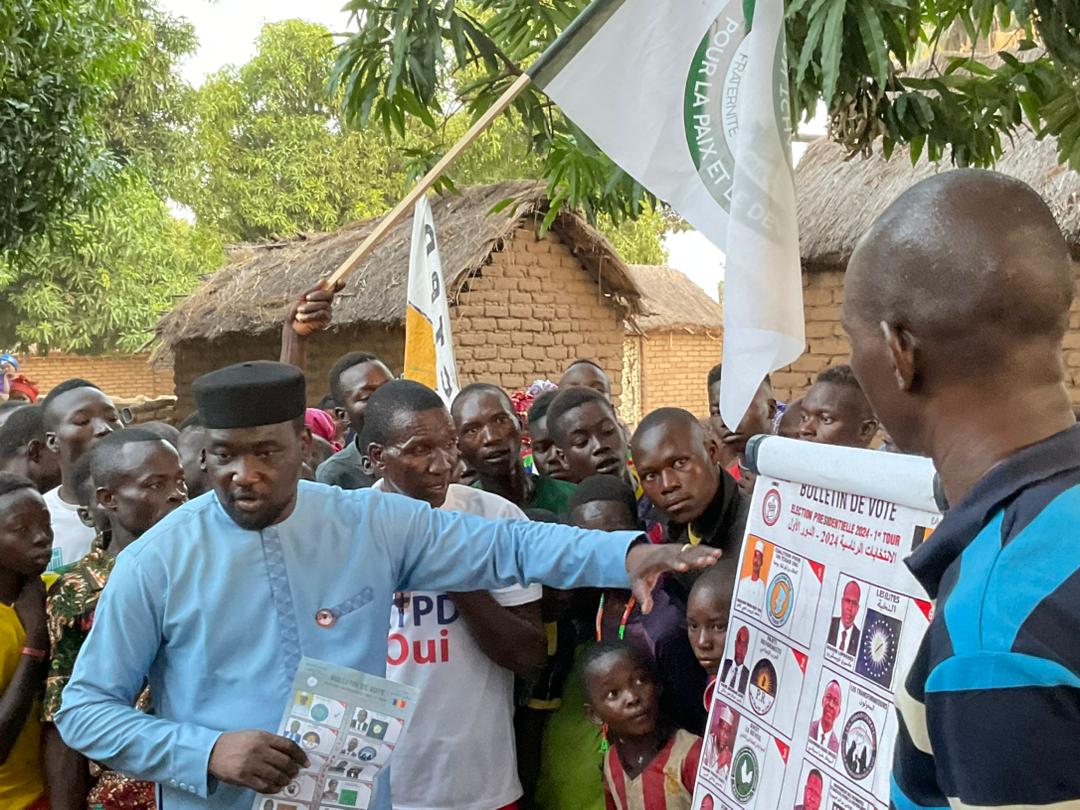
(348, 723)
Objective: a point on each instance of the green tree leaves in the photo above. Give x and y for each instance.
(100, 279)
(96, 269)
(410, 59)
(857, 55)
(58, 62)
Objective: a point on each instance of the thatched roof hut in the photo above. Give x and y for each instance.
(671, 346)
(672, 302)
(249, 294)
(505, 280)
(840, 198)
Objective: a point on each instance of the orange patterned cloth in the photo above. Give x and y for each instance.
(114, 791)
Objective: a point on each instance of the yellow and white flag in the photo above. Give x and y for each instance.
(429, 346)
(691, 98)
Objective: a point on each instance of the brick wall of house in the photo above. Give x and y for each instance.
(531, 311)
(196, 357)
(630, 402)
(123, 376)
(828, 345)
(675, 369)
(524, 316)
(501, 338)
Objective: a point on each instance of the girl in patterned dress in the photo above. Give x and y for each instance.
(650, 765)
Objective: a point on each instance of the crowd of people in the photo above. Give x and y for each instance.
(557, 585)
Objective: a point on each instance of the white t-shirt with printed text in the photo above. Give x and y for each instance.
(458, 752)
(71, 537)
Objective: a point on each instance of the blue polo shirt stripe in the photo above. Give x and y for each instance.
(963, 610)
(1031, 567)
(998, 671)
(900, 801)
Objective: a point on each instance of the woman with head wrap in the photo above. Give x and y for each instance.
(321, 424)
(22, 387)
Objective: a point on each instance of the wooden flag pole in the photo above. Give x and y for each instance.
(406, 205)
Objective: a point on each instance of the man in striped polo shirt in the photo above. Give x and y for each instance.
(957, 301)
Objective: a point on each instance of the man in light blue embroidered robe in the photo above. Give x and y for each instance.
(217, 603)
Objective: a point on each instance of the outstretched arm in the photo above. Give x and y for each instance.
(435, 550)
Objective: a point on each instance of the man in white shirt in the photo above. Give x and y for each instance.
(461, 650)
(76, 415)
(753, 590)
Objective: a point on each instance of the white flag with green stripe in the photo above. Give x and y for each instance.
(697, 110)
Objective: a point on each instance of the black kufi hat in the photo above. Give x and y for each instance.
(249, 395)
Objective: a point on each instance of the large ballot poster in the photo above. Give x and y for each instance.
(825, 622)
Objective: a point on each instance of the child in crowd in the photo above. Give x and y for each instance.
(25, 550)
(651, 764)
(707, 613)
(607, 503)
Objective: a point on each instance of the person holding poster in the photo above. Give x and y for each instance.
(957, 300)
(183, 600)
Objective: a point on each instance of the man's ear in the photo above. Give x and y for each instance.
(106, 498)
(374, 455)
(34, 449)
(305, 442)
(202, 459)
(868, 429)
(51, 443)
(712, 447)
(902, 347)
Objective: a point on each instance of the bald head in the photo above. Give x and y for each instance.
(972, 258)
(956, 301)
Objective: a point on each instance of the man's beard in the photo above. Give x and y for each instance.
(253, 521)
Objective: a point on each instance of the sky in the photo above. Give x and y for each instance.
(227, 30)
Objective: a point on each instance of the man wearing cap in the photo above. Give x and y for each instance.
(215, 605)
(752, 590)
